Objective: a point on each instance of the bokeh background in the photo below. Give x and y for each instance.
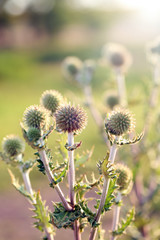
(35, 37)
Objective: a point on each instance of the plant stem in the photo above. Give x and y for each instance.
(95, 113)
(106, 183)
(121, 88)
(49, 174)
(116, 215)
(48, 234)
(71, 181)
(71, 174)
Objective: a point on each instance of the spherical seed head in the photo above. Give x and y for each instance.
(71, 66)
(51, 100)
(124, 179)
(117, 55)
(13, 145)
(36, 116)
(70, 118)
(119, 122)
(33, 134)
(111, 99)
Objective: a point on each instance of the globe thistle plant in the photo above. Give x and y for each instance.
(13, 145)
(124, 179)
(117, 55)
(36, 116)
(71, 67)
(119, 122)
(70, 118)
(51, 100)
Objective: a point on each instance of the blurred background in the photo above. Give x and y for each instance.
(35, 37)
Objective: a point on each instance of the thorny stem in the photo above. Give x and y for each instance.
(49, 174)
(121, 87)
(106, 183)
(71, 181)
(116, 215)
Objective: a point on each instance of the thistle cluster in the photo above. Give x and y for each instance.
(117, 55)
(13, 146)
(70, 119)
(119, 122)
(124, 178)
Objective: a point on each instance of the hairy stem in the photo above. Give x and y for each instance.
(71, 174)
(49, 174)
(71, 181)
(116, 215)
(106, 183)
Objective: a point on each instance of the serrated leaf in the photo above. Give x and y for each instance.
(83, 186)
(80, 160)
(89, 214)
(28, 165)
(109, 198)
(18, 187)
(41, 215)
(130, 141)
(125, 223)
(57, 178)
(73, 147)
(61, 218)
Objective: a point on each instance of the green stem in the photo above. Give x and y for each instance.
(71, 181)
(106, 183)
(49, 174)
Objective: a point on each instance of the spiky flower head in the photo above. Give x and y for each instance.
(13, 145)
(71, 66)
(36, 116)
(51, 100)
(33, 134)
(117, 55)
(111, 99)
(119, 122)
(70, 118)
(124, 179)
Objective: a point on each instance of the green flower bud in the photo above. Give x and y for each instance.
(51, 100)
(33, 134)
(13, 145)
(124, 179)
(71, 66)
(70, 118)
(117, 55)
(119, 122)
(36, 116)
